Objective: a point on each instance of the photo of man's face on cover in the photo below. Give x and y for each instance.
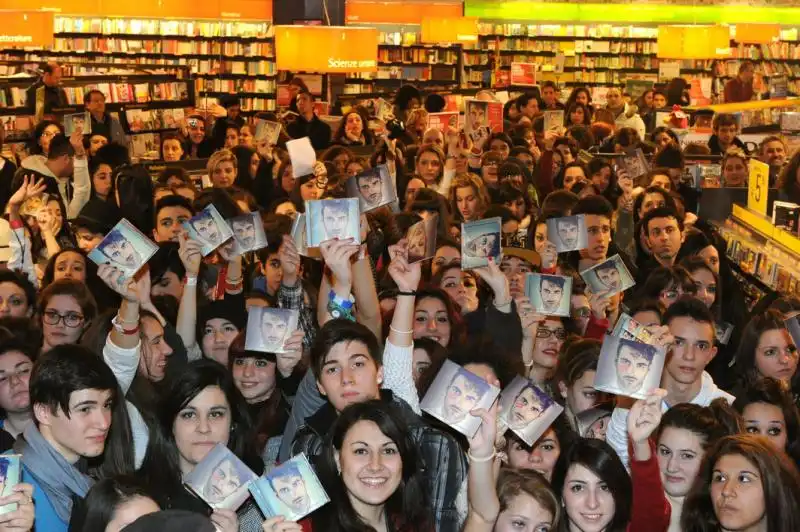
(527, 410)
(290, 488)
(549, 294)
(454, 394)
(335, 219)
(609, 277)
(567, 233)
(245, 231)
(529, 405)
(370, 187)
(633, 364)
(120, 251)
(551, 290)
(274, 328)
(223, 482)
(476, 114)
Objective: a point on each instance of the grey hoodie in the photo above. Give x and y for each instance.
(82, 187)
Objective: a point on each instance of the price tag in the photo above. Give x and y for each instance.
(758, 187)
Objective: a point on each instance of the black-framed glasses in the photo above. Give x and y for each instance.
(544, 332)
(71, 319)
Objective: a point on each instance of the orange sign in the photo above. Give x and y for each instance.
(758, 33)
(523, 74)
(694, 42)
(26, 28)
(449, 30)
(332, 49)
(362, 12)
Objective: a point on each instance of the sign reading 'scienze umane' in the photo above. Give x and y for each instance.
(326, 49)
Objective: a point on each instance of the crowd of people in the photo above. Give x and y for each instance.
(114, 389)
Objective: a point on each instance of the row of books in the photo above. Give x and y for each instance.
(776, 50)
(236, 85)
(15, 127)
(207, 67)
(12, 96)
(418, 55)
(162, 27)
(165, 46)
(152, 119)
(131, 92)
(444, 74)
(600, 31)
(765, 68)
(576, 47)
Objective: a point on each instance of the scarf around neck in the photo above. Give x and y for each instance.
(59, 479)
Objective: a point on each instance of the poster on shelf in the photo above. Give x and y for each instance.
(667, 70)
(442, 121)
(700, 92)
(637, 87)
(523, 74)
(758, 187)
(790, 121)
(778, 87)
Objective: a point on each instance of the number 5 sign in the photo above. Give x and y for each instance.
(758, 187)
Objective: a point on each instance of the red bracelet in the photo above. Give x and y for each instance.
(15, 224)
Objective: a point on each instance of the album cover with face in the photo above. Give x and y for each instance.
(421, 238)
(10, 476)
(553, 120)
(248, 233)
(630, 329)
(76, 121)
(480, 241)
(125, 248)
(373, 187)
(723, 332)
(568, 233)
(549, 294)
(593, 423)
(267, 131)
(454, 394)
(475, 115)
(527, 410)
(268, 328)
(332, 219)
(634, 163)
(628, 367)
(610, 276)
(209, 228)
(221, 479)
(291, 490)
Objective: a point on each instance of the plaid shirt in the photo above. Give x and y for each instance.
(444, 464)
(294, 297)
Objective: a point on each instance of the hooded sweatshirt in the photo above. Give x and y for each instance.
(629, 117)
(617, 434)
(81, 183)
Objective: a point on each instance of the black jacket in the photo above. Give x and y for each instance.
(716, 148)
(318, 131)
(54, 97)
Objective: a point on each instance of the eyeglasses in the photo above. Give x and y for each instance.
(71, 319)
(580, 313)
(544, 332)
(19, 373)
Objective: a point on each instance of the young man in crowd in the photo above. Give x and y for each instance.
(725, 127)
(550, 96)
(663, 229)
(170, 214)
(308, 123)
(103, 123)
(690, 349)
(75, 400)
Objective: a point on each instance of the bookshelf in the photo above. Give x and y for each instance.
(403, 59)
(222, 56)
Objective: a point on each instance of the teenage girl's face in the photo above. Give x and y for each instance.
(711, 256)
(14, 301)
(467, 203)
(734, 173)
(680, 453)
(523, 513)
(662, 139)
(70, 265)
(582, 396)
(101, 179)
(737, 494)
(706, 286)
(582, 98)
(60, 333)
(432, 321)
(246, 137)
(588, 502)
(54, 210)
(577, 116)
(370, 464)
(766, 420)
(572, 176)
(310, 190)
(429, 167)
(354, 125)
(602, 178)
(254, 377)
(218, 334)
(287, 179)
(204, 422)
(776, 355)
(420, 362)
(542, 457)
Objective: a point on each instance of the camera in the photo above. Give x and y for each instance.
(396, 128)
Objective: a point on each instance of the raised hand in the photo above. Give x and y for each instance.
(406, 276)
(482, 445)
(337, 255)
(76, 140)
(293, 346)
(600, 303)
(496, 280)
(190, 252)
(290, 261)
(528, 317)
(645, 416)
(225, 520)
(30, 188)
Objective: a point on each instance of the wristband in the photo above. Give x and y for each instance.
(118, 325)
(340, 308)
(190, 280)
(15, 224)
(473, 458)
(412, 293)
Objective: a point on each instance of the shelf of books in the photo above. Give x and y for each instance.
(233, 56)
(764, 249)
(403, 59)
